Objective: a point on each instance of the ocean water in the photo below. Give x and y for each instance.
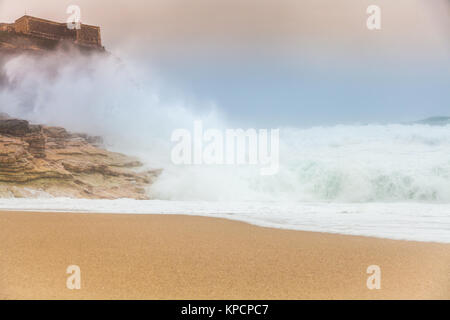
(342, 163)
(406, 221)
(388, 181)
(383, 180)
(339, 163)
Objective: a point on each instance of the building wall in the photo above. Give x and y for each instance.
(86, 35)
(21, 25)
(89, 35)
(50, 30)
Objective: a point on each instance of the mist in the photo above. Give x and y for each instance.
(310, 68)
(97, 94)
(280, 63)
(136, 112)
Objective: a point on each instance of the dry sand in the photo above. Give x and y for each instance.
(184, 257)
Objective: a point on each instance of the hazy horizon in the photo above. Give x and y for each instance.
(283, 63)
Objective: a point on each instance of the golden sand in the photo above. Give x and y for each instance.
(185, 257)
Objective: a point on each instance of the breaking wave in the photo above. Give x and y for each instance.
(372, 163)
(132, 110)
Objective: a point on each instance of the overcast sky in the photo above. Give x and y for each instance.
(283, 62)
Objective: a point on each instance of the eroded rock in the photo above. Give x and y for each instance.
(36, 160)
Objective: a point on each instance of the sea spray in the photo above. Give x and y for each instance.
(101, 95)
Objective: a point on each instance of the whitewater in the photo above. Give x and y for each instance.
(387, 181)
(383, 180)
(403, 221)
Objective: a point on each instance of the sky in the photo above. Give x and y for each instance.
(284, 62)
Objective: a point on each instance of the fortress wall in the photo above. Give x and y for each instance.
(46, 30)
(89, 35)
(21, 25)
(50, 30)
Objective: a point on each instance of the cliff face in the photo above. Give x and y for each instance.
(38, 160)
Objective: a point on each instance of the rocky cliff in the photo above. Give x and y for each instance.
(38, 160)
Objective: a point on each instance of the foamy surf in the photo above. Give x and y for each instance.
(402, 221)
(382, 180)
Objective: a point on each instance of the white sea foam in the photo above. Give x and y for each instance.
(359, 163)
(408, 221)
(378, 180)
(343, 163)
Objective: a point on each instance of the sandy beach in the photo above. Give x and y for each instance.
(185, 257)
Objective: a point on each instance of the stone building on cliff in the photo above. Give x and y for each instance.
(45, 33)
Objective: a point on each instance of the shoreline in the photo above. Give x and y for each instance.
(424, 222)
(255, 223)
(135, 256)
